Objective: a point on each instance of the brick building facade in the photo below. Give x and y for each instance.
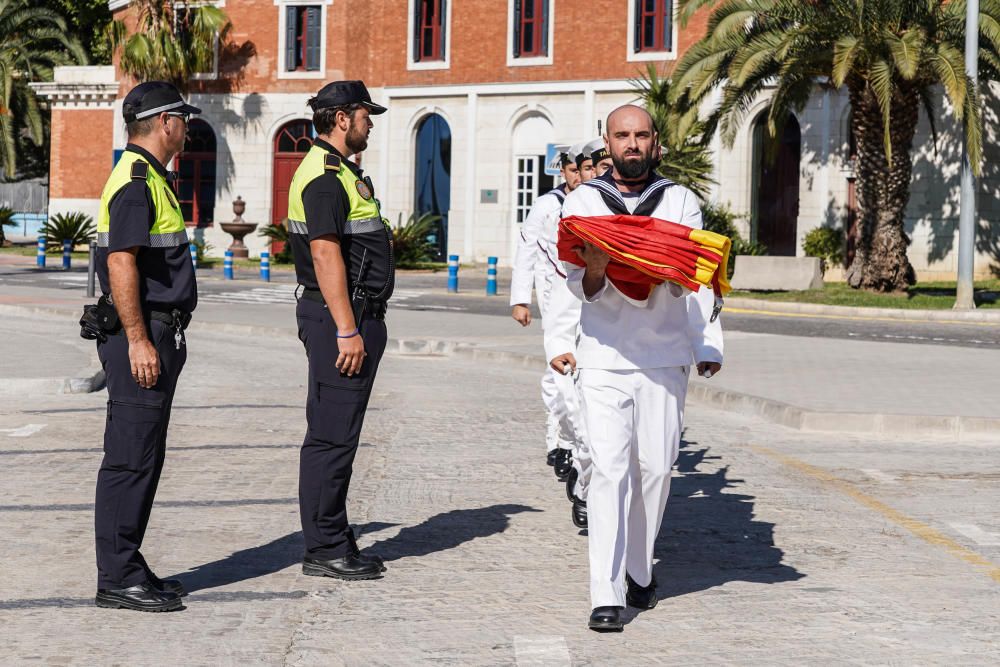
(476, 91)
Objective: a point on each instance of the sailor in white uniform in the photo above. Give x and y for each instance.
(536, 266)
(633, 360)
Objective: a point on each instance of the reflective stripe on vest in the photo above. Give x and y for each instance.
(168, 222)
(364, 216)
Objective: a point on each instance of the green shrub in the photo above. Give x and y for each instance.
(278, 233)
(201, 248)
(78, 228)
(409, 242)
(5, 219)
(827, 244)
(721, 219)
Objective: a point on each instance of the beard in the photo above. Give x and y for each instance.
(632, 170)
(356, 139)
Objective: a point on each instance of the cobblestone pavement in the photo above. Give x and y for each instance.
(777, 549)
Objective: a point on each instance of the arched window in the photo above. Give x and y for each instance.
(195, 183)
(433, 176)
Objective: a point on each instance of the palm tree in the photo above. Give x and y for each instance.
(172, 42)
(890, 54)
(687, 158)
(33, 41)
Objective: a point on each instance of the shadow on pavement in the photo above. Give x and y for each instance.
(448, 530)
(255, 562)
(709, 537)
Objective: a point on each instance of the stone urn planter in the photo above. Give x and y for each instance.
(238, 228)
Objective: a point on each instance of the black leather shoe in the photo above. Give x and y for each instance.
(579, 513)
(571, 484)
(169, 585)
(550, 458)
(606, 619)
(639, 597)
(350, 567)
(144, 597)
(374, 558)
(564, 463)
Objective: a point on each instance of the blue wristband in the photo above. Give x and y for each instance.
(350, 335)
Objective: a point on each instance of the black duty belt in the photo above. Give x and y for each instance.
(372, 307)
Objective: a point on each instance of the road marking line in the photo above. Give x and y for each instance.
(918, 528)
(977, 534)
(24, 431)
(880, 476)
(751, 311)
(541, 651)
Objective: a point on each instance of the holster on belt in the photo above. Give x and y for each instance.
(99, 320)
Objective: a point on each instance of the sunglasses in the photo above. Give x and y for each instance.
(185, 117)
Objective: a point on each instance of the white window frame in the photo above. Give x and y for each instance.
(517, 190)
(190, 4)
(281, 5)
(412, 64)
(533, 61)
(647, 56)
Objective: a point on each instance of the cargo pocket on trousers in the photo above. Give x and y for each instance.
(132, 433)
(338, 412)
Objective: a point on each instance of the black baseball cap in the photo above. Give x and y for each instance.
(152, 98)
(341, 93)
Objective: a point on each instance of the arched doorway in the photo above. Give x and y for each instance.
(775, 208)
(432, 186)
(291, 143)
(195, 183)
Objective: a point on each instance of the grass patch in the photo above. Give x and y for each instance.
(923, 296)
(422, 266)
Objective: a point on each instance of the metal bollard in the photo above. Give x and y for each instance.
(92, 269)
(491, 276)
(453, 273)
(227, 266)
(194, 254)
(67, 249)
(265, 266)
(40, 258)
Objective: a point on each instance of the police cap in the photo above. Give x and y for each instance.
(152, 98)
(342, 93)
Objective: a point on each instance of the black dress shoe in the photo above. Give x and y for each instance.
(579, 513)
(374, 558)
(564, 463)
(571, 479)
(350, 567)
(638, 596)
(550, 458)
(606, 619)
(144, 597)
(170, 585)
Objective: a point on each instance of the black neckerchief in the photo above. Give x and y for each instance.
(649, 197)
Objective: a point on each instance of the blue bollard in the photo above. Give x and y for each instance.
(453, 273)
(67, 249)
(40, 258)
(227, 266)
(491, 276)
(265, 267)
(194, 254)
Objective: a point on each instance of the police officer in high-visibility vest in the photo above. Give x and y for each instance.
(343, 262)
(148, 285)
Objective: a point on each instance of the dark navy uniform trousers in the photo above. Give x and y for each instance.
(335, 413)
(135, 439)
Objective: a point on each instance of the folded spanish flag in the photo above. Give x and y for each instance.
(648, 251)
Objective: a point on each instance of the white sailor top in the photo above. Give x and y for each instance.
(536, 259)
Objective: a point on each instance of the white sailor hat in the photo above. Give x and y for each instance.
(562, 157)
(587, 149)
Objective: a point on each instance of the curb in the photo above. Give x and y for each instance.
(88, 381)
(777, 412)
(815, 309)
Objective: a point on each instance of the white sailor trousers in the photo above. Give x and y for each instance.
(633, 427)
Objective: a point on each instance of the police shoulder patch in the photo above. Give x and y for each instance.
(332, 162)
(363, 189)
(140, 170)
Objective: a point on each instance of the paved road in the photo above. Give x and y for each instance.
(427, 292)
(778, 548)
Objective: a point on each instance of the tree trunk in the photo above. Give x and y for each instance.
(880, 262)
